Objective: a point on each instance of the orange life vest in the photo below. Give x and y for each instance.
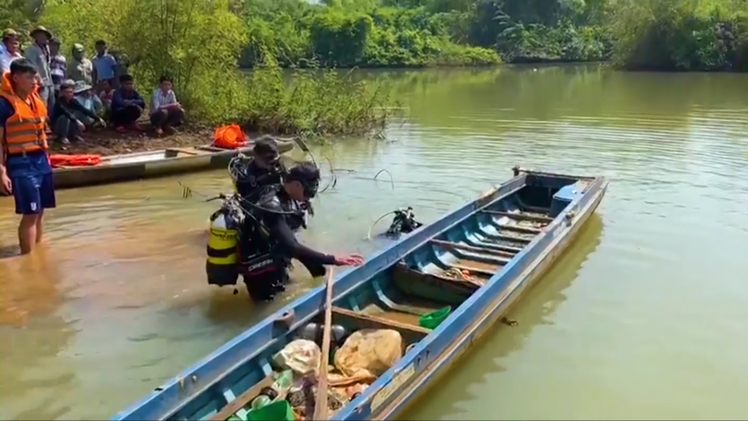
(24, 130)
(229, 137)
(82, 160)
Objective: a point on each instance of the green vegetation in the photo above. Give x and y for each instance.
(201, 43)
(680, 34)
(198, 43)
(634, 34)
(416, 33)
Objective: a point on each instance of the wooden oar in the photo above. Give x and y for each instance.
(320, 404)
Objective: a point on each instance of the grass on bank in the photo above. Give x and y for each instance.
(685, 35)
(198, 43)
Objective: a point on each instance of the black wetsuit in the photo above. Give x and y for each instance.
(250, 185)
(271, 244)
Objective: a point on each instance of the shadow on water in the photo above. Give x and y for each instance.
(531, 311)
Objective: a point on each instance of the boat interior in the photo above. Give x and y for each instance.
(436, 277)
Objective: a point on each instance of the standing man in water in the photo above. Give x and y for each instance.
(25, 171)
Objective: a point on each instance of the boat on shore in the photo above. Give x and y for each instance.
(151, 164)
(432, 294)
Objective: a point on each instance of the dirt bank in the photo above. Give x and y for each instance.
(110, 142)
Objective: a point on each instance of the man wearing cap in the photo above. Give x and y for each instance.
(38, 55)
(80, 68)
(67, 125)
(10, 50)
(263, 170)
(271, 243)
(84, 95)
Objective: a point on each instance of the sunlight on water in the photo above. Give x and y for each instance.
(641, 319)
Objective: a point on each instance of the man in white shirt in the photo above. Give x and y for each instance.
(10, 47)
(166, 112)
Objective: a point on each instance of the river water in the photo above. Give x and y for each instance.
(642, 318)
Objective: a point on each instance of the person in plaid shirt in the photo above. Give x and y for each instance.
(57, 64)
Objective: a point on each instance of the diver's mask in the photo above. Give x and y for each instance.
(271, 160)
(310, 188)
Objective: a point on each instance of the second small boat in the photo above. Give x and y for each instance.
(151, 164)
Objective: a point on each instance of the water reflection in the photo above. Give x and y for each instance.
(485, 360)
(34, 334)
(126, 287)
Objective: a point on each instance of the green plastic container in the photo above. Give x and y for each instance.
(276, 411)
(435, 318)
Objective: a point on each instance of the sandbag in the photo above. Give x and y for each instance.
(369, 351)
(301, 356)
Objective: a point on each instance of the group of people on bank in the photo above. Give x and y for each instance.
(82, 93)
(41, 91)
(274, 202)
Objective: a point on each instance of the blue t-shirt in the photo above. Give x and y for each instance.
(105, 65)
(18, 165)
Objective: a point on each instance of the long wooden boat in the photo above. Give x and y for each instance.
(151, 164)
(498, 245)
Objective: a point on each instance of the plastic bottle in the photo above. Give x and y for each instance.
(260, 401)
(283, 382)
(281, 385)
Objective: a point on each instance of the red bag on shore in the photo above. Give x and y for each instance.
(229, 137)
(83, 160)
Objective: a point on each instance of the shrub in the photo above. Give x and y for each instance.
(198, 44)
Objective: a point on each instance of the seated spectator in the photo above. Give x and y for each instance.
(84, 94)
(127, 105)
(106, 95)
(66, 124)
(166, 112)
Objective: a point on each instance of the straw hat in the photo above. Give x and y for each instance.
(40, 29)
(9, 33)
(81, 86)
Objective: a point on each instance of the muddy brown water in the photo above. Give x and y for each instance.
(642, 319)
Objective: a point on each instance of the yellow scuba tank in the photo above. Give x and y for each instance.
(221, 266)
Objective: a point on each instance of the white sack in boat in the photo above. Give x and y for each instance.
(301, 356)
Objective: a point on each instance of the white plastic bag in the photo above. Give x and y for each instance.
(301, 356)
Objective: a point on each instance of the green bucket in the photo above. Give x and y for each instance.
(435, 318)
(275, 411)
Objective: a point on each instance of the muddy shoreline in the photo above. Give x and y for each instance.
(107, 142)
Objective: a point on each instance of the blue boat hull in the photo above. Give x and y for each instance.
(503, 258)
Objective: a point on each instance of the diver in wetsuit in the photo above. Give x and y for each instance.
(270, 243)
(265, 169)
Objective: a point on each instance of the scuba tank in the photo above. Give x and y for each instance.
(221, 266)
(404, 222)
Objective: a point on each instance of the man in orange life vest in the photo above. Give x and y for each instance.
(25, 170)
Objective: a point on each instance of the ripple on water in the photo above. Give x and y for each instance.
(630, 314)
